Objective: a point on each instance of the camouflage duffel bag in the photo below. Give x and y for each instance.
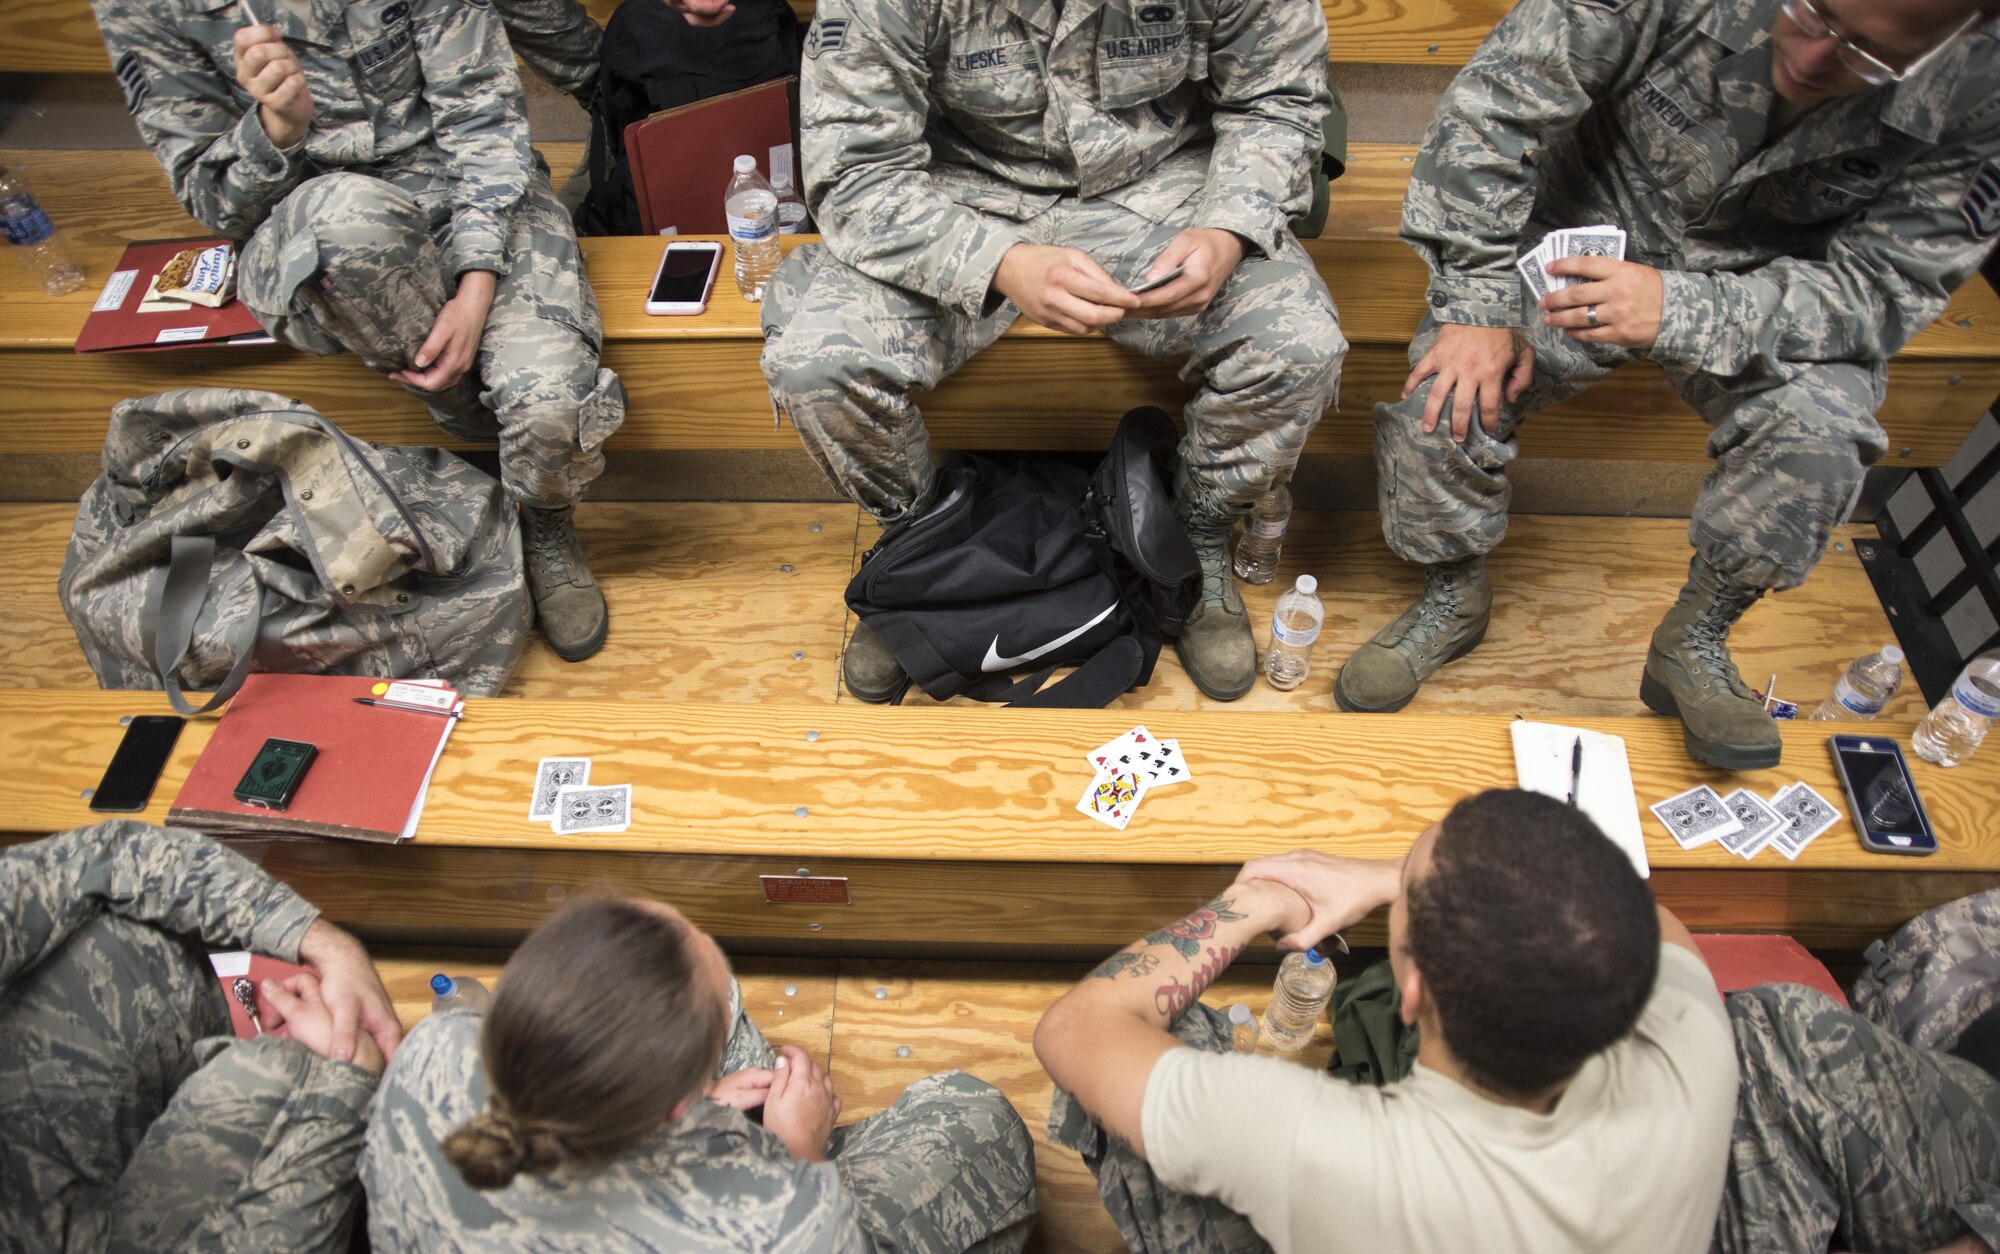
(234, 531)
(1937, 974)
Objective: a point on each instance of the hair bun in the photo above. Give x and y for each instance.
(489, 1150)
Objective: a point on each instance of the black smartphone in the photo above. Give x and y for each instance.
(276, 773)
(1881, 795)
(128, 782)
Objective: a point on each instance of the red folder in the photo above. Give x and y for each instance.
(682, 159)
(115, 324)
(256, 968)
(366, 783)
(1745, 961)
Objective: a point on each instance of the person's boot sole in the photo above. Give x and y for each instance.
(1660, 700)
(873, 696)
(579, 652)
(1341, 699)
(1208, 689)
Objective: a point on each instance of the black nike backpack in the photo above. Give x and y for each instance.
(1034, 565)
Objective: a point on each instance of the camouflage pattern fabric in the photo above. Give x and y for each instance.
(352, 262)
(348, 558)
(1937, 974)
(106, 1009)
(416, 168)
(557, 39)
(1846, 1134)
(948, 1167)
(846, 356)
(1789, 460)
(1153, 1218)
(931, 126)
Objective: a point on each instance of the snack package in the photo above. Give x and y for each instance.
(200, 276)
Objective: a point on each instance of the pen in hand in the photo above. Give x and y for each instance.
(1575, 770)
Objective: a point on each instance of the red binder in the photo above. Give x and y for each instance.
(367, 782)
(256, 968)
(115, 324)
(682, 159)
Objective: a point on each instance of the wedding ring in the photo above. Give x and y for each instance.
(1590, 315)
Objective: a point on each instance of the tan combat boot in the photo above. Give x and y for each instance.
(568, 603)
(1216, 645)
(1689, 675)
(870, 671)
(1447, 623)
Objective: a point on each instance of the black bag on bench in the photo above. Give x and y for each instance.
(1033, 564)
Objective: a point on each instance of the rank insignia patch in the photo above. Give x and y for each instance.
(1981, 205)
(825, 35)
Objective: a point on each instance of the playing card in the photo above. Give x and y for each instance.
(1162, 764)
(586, 809)
(1531, 270)
(1112, 797)
(1759, 822)
(1590, 241)
(1806, 814)
(551, 777)
(1123, 751)
(1696, 817)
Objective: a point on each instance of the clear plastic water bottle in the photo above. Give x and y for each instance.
(1242, 1029)
(752, 209)
(1865, 688)
(791, 209)
(1304, 987)
(1950, 732)
(33, 238)
(1294, 631)
(1263, 536)
(449, 993)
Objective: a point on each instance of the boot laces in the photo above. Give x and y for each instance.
(1705, 643)
(1442, 601)
(548, 543)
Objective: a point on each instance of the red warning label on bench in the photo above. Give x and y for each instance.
(805, 890)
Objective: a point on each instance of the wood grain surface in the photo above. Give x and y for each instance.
(704, 611)
(60, 37)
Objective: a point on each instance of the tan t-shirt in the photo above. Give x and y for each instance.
(1631, 1159)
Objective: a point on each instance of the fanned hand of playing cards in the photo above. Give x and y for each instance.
(1582, 241)
(566, 801)
(1126, 770)
(1744, 822)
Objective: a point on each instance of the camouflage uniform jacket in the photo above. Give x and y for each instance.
(422, 93)
(288, 1122)
(917, 112)
(1835, 241)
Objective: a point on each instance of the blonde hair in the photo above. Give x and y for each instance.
(604, 1020)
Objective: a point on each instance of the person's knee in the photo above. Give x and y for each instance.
(978, 1106)
(801, 365)
(1291, 363)
(354, 215)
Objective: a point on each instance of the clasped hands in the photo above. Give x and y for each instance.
(797, 1095)
(1469, 364)
(1308, 896)
(1065, 290)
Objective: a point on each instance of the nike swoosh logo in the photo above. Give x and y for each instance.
(994, 662)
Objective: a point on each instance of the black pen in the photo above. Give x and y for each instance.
(1575, 770)
(397, 705)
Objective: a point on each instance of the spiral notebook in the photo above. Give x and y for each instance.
(1542, 754)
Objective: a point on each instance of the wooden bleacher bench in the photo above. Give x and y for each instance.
(60, 36)
(695, 383)
(950, 833)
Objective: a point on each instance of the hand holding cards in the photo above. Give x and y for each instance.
(1127, 769)
(1585, 241)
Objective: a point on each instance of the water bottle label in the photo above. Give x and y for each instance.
(1293, 637)
(752, 230)
(1266, 528)
(24, 221)
(1852, 701)
(1985, 705)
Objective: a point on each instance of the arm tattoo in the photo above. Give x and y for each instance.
(1138, 962)
(1186, 936)
(1173, 998)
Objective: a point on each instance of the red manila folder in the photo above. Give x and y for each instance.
(682, 159)
(238, 964)
(371, 770)
(116, 325)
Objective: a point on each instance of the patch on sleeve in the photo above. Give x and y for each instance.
(825, 36)
(132, 78)
(1981, 205)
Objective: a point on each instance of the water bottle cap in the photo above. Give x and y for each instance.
(1315, 958)
(746, 164)
(441, 984)
(1307, 584)
(1239, 1013)
(1890, 653)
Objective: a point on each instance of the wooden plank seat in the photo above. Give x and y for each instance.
(950, 836)
(60, 36)
(694, 382)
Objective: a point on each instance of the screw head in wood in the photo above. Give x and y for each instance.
(902, 1051)
(124, 720)
(799, 812)
(881, 994)
(786, 568)
(812, 737)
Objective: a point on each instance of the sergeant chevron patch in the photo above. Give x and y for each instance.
(1981, 205)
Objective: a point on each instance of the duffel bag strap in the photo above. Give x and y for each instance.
(173, 602)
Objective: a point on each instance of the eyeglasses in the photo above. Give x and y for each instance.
(1813, 23)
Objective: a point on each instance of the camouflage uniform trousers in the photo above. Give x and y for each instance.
(348, 261)
(1153, 1218)
(134, 1121)
(1844, 1129)
(949, 1166)
(1789, 459)
(846, 356)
